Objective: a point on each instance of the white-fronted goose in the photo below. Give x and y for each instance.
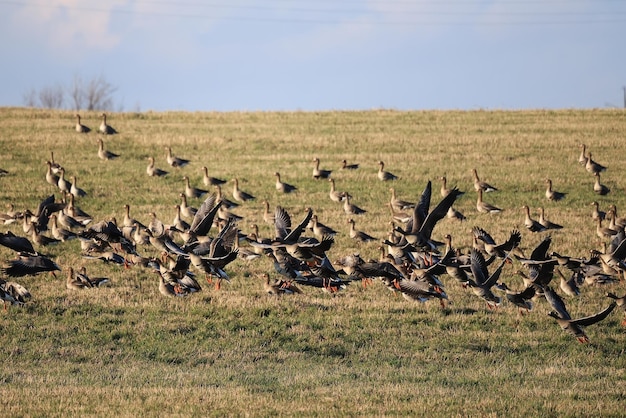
(482, 282)
(75, 190)
(193, 192)
(238, 194)
(531, 224)
(51, 178)
(63, 185)
(173, 160)
(282, 186)
(359, 235)
(598, 187)
(29, 265)
(351, 209)
(319, 173)
(103, 154)
(320, 230)
(520, 299)
(399, 215)
(54, 166)
(16, 243)
(491, 248)
(59, 233)
(346, 166)
(582, 158)
(481, 185)
(546, 223)
(455, 214)
(74, 282)
(105, 128)
(13, 293)
(80, 128)
(565, 321)
(186, 210)
(552, 194)
(592, 166)
(397, 203)
(602, 231)
(154, 171)
(568, 285)
(209, 180)
(597, 213)
(335, 196)
(484, 207)
(385, 175)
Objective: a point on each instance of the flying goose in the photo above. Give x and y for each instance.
(239, 195)
(565, 321)
(481, 185)
(482, 281)
(16, 243)
(385, 175)
(210, 181)
(319, 173)
(484, 207)
(520, 299)
(154, 171)
(282, 186)
(568, 285)
(173, 160)
(105, 154)
(599, 188)
(29, 265)
(552, 194)
(621, 304)
(106, 128)
(80, 128)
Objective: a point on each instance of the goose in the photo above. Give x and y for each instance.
(278, 287)
(546, 223)
(351, 209)
(346, 166)
(51, 178)
(335, 195)
(63, 185)
(282, 186)
(531, 224)
(453, 213)
(498, 250)
(268, 216)
(551, 194)
(80, 128)
(568, 285)
(444, 186)
(399, 204)
(599, 188)
(106, 128)
(420, 291)
(29, 265)
(385, 175)
(597, 213)
(40, 239)
(520, 299)
(226, 203)
(54, 166)
(74, 282)
(59, 233)
(481, 185)
(582, 158)
(186, 210)
(173, 160)
(210, 181)
(621, 303)
(565, 321)
(193, 192)
(74, 189)
(592, 166)
(154, 171)
(604, 232)
(16, 243)
(128, 220)
(319, 173)
(13, 293)
(92, 281)
(619, 221)
(482, 281)
(178, 222)
(398, 215)
(238, 194)
(103, 154)
(484, 207)
(320, 230)
(359, 235)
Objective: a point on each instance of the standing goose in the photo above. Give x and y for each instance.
(193, 191)
(530, 223)
(282, 186)
(335, 195)
(385, 175)
(551, 194)
(75, 190)
(568, 285)
(598, 187)
(210, 181)
(602, 231)
(351, 209)
(51, 178)
(597, 213)
(320, 230)
(103, 154)
(582, 158)
(80, 128)
(239, 195)
(106, 128)
(154, 171)
(186, 210)
(63, 185)
(346, 166)
(484, 207)
(481, 185)
(319, 173)
(60, 233)
(54, 166)
(359, 235)
(546, 223)
(268, 216)
(399, 204)
(565, 321)
(173, 160)
(592, 166)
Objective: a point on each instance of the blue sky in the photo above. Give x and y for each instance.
(243, 55)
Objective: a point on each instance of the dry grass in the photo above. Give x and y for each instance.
(126, 350)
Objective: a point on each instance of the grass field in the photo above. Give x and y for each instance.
(126, 350)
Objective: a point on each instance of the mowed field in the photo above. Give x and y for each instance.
(124, 349)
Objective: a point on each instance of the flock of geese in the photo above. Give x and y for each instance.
(202, 242)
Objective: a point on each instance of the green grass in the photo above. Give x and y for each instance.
(125, 349)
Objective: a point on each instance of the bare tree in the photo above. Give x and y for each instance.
(30, 98)
(51, 97)
(76, 93)
(98, 94)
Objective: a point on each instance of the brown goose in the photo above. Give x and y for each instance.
(173, 160)
(481, 185)
(598, 187)
(546, 223)
(51, 178)
(335, 195)
(592, 166)
(106, 128)
(193, 192)
(320, 230)
(359, 235)
(74, 189)
(552, 194)
(209, 180)
(186, 210)
(621, 304)
(318, 173)
(154, 171)
(63, 185)
(602, 231)
(351, 209)
(58, 232)
(105, 154)
(385, 175)
(582, 158)
(565, 321)
(530, 223)
(398, 215)
(239, 195)
(484, 207)
(282, 186)
(268, 216)
(346, 166)
(397, 203)
(80, 128)
(597, 213)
